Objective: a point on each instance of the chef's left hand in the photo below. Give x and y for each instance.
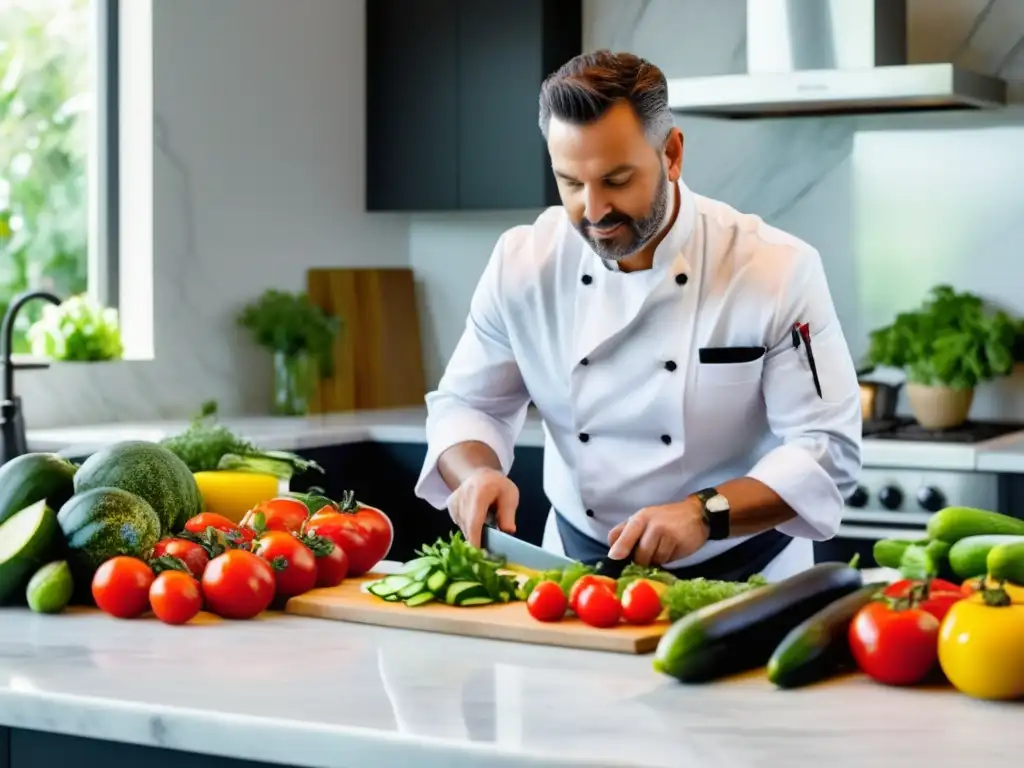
(659, 535)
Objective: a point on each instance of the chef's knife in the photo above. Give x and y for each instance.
(519, 552)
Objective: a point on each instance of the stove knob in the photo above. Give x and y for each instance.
(859, 498)
(931, 499)
(891, 497)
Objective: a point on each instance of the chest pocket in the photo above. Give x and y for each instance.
(726, 406)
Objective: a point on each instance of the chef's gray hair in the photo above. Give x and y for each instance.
(586, 86)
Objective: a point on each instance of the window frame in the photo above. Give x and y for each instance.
(104, 253)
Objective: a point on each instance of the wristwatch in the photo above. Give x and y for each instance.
(716, 513)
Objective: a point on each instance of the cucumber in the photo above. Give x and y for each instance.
(889, 552)
(925, 560)
(418, 563)
(954, 523)
(969, 557)
(1006, 563)
(412, 589)
(436, 582)
(818, 647)
(27, 540)
(741, 632)
(33, 477)
(419, 599)
(460, 591)
(50, 588)
(389, 585)
(476, 601)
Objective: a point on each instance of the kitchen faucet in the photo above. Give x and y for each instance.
(12, 423)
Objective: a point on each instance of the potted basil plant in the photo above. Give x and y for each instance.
(947, 347)
(300, 336)
(78, 330)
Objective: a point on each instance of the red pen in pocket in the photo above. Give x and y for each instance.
(802, 332)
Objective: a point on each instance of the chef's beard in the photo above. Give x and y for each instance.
(636, 233)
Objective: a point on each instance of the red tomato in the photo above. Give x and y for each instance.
(332, 568)
(120, 587)
(583, 581)
(896, 647)
(294, 563)
(937, 599)
(280, 514)
(547, 602)
(641, 603)
(175, 597)
(344, 531)
(598, 606)
(190, 553)
(204, 520)
(238, 584)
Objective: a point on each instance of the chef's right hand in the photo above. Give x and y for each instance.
(476, 494)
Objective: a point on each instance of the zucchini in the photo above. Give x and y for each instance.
(27, 540)
(419, 599)
(460, 591)
(925, 560)
(1006, 563)
(818, 647)
(741, 632)
(969, 557)
(889, 552)
(954, 523)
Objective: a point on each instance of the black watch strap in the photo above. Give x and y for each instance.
(717, 520)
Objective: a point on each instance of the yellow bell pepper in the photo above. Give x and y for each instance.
(232, 494)
(1015, 592)
(981, 646)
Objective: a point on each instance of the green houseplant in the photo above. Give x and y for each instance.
(947, 347)
(79, 330)
(300, 336)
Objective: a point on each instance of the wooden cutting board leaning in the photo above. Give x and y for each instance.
(508, 621)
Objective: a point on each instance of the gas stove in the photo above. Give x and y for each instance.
(909, 473)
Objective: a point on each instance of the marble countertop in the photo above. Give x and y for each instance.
(319, 694)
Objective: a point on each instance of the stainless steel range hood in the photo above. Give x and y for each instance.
(821, 57)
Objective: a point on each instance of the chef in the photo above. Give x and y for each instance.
(700, 403)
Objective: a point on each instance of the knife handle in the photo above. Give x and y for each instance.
(492, 516)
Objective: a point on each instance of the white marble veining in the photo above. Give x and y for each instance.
(321, 694)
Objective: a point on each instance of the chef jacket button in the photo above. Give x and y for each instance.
(590, 513)
(681, 279)
(585, 361)
(587, 279)
(666, 439)
(670, 365)
(584, 437)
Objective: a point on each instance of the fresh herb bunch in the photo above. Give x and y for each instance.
(206, 445)
(79, 330)
(291, 324)
(952, 340)
(461, 561)
(685, 596)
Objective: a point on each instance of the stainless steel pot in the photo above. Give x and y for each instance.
(877, 398)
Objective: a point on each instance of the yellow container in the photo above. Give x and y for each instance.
(232, 493)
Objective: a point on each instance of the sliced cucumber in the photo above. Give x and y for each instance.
(423, 573)
(389, 585)
(411, 589)
(414, 566)
(436, 581)
(419, 599)
(27, 539)
(460, 591)
(392, 598)
(476, 601)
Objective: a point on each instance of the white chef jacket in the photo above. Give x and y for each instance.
(612, 361)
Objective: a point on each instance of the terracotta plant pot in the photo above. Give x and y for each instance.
(939, 407)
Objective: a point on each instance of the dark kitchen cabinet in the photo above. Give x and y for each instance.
(451, 104)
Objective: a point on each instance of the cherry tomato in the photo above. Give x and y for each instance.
(174, 597)
(120, 587)
(583, 581)
(297, 571)
(204, 520)
(547, 602)
(937, 598)
(342, 529)
(331, 568)
(238, 584)
(190, 553)
(896, 647)
(641, 603)
(280, 514)
(598, 606)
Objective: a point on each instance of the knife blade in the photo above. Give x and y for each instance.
(519, 552)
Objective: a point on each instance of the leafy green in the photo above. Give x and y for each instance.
(461, 561)
(564, 577)
(206, 445)
(633, 572)
(687, 595)
(953, 340)
(292, 325)
(79, 330)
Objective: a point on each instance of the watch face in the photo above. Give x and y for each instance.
(717, 503)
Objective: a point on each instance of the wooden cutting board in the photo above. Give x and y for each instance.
(378, 362)
(348, 602)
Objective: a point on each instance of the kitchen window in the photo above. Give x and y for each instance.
(76, 158)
